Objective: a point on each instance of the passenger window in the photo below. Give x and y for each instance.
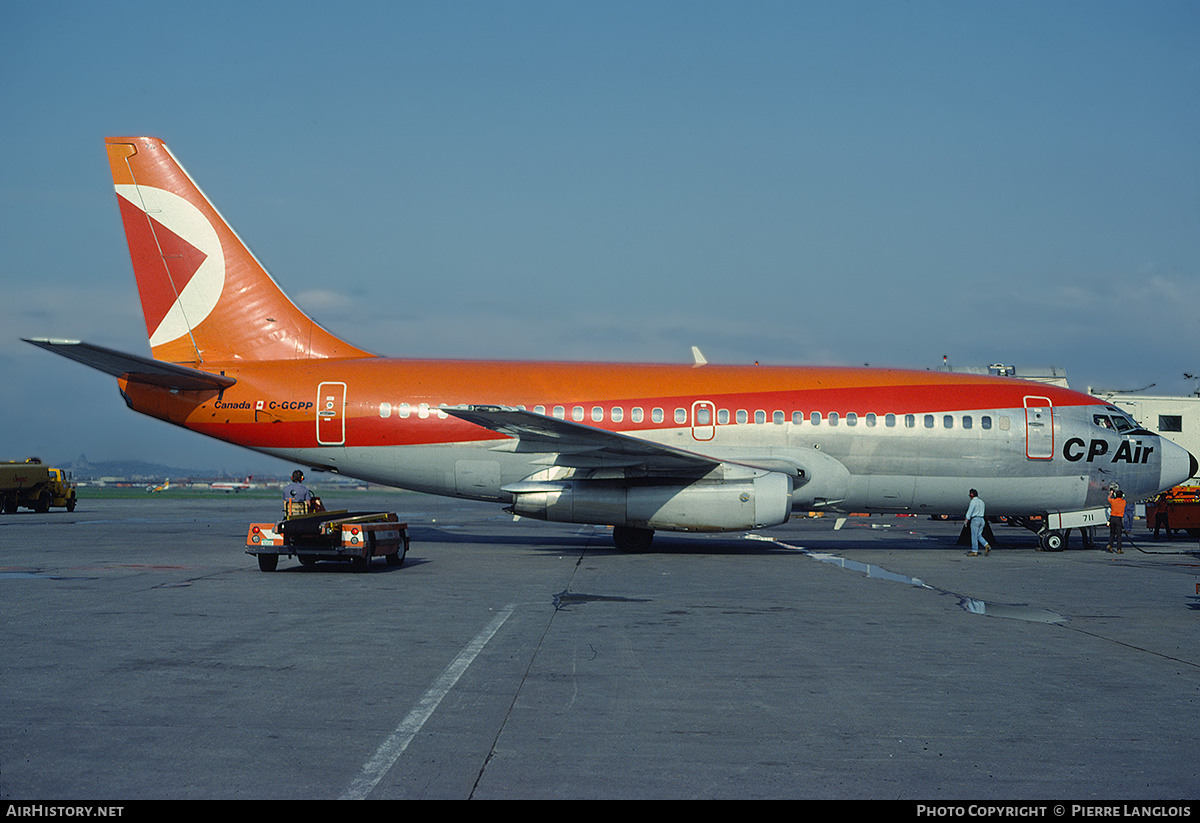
(777, 418)
(656, 415)
(681, 415)
(741, 416)
(423, 411)
(636, 414)
(760, 416)
(797, 418)
(385, 409)
(985, 422)
(577, 414)
(948, 421)
(910, 421)
(405, 410)
(618, 414)
(540, 409)
(597, 413)
(1005, 423)
(815, 418)
(929, 421)
(851, 419)
(703, 416)
(889, 420)
(833, 418)
(560, 412)
(870, 420)
(723, 416)
(967, 421)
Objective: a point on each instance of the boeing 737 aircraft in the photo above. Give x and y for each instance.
(695, 447)
(231, 485)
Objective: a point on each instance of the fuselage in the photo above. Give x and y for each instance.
(871, 440)
(636, 446)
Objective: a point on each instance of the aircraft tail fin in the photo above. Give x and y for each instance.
(205, 297)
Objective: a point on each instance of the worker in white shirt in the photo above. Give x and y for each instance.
(975, 519)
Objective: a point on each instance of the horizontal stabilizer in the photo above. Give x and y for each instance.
(133, 368)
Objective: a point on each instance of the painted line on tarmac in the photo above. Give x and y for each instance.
(398, 741)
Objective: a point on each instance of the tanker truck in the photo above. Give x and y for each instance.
(30, 484)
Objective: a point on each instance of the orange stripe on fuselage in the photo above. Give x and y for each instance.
(267, 406)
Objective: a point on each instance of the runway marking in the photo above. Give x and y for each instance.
(398, 741)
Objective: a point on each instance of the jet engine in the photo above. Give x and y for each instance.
(706, 505)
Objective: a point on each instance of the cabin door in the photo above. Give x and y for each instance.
(1039, 428)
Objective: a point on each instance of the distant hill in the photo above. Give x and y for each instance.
(137, 470)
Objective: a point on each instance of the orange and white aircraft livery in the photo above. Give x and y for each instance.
(689, 447)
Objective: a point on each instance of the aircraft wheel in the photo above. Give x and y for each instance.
(1052, 541)
(631, 540)
(267, 562)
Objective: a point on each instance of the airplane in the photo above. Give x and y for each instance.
(231, 486)
(640, 447)
(162, 487)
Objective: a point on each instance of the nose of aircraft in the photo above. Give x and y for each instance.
(1178, 464)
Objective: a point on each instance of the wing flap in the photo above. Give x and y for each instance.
(581, 444)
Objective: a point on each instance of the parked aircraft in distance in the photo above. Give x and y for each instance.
(232, 485)
(689, 447)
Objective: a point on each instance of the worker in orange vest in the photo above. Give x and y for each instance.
(1116, 518)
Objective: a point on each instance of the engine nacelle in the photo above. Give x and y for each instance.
(706, 505)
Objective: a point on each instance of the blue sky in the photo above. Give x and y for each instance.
(791, 182)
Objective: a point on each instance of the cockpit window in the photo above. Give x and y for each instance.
(1115, 420)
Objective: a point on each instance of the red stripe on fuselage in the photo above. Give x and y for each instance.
(587, 385)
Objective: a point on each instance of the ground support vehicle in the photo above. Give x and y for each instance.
(1054, 529)
(330, 535)
(30, 484)
(1183, 509)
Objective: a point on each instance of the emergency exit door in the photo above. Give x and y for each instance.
(331, 414)
(704, 420)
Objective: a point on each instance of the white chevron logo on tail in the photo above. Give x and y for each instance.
(191, 252)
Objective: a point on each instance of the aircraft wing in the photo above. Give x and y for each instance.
(580, 445)
(133, 368)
